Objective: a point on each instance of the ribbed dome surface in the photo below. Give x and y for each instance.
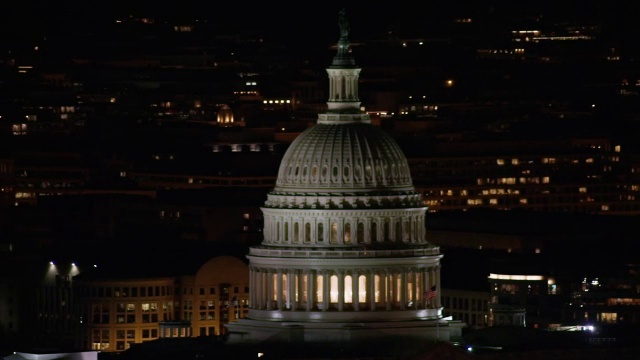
(343, 158)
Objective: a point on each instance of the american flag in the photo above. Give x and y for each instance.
(430, 293)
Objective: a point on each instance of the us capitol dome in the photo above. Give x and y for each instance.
(344, 255)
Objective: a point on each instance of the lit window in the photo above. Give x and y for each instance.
(500, 161)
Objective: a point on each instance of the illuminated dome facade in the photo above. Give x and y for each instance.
(335, 158)
(344, 254)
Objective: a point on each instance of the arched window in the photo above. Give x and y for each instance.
(286, 231)
(296, 234)
(320, 232)
(385, 235)
(347, 233)
(399, 231)
(360, 233)
(307, 233)
(334, 233)
(407, 230)
(374, 231)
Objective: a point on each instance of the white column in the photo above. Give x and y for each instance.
(340, 290)
(355, 289)
(426, 273)
(388, 280)
(291, 290)
(310, 296)
(252, 285)
(326, 290)
(437, 298)
(301, 289)
(371, 295)
(255, 289)
(269, 289)
(416, 279)
(403, 289)
(279, 289)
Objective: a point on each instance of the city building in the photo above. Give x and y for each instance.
(344, 257)
(103, 157)
(467, 306)
(613, 298)
(119, 308)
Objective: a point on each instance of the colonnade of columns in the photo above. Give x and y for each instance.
(340, 231)
(343, 289)
(343, 84)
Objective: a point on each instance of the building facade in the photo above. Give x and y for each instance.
(344, 254)
(119, 312)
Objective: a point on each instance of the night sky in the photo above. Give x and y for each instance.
(20, 19)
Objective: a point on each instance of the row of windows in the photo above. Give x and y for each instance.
(126, 313)
(465, 304)
(380, 171)
(100, 339)
(484, 162)
(469, 319)
(151, 291)
(126, 291)
(390, 230)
